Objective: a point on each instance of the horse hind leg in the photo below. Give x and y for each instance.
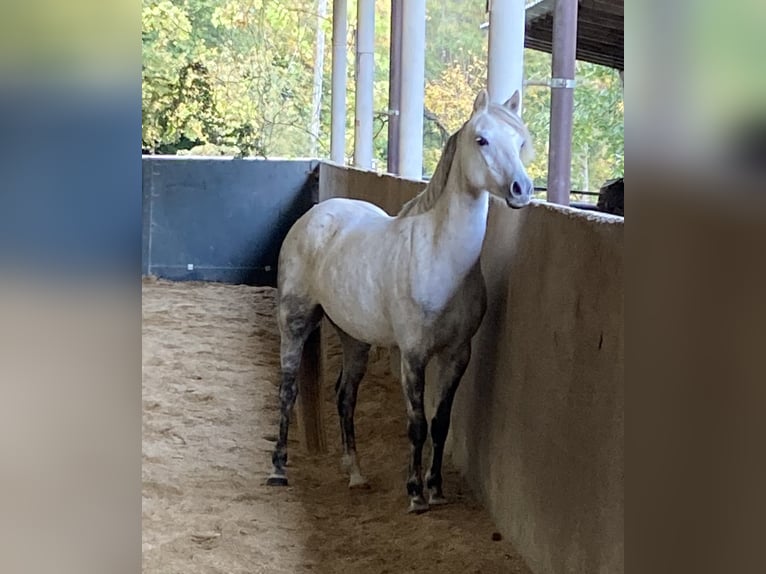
(355, 357)
(451, 365)
(297, 320)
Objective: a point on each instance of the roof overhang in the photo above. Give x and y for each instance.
(600, 30)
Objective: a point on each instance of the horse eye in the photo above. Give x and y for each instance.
(481, 141)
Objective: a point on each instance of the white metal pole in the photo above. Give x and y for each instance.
(365, 74)
(338, 104)
(394, 85)
(316, 102)
(505, 66)
(412, 89)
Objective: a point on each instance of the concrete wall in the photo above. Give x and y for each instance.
(225, 217)
(537, 426)
(386, 191)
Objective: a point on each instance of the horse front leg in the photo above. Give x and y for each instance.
(413, 384)
(451, 366)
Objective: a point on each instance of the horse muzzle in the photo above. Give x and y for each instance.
(520, 193)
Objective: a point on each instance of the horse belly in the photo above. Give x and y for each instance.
(352, 288)
(367, 324)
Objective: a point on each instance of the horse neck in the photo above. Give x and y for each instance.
(460, 221)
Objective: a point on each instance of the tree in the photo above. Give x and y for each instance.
(241, 77)
(233, 75)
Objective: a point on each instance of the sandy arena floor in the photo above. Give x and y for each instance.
(210, 380)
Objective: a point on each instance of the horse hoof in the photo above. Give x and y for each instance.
(276, 480)
(418, 505)
(358, 483)
(435, 500)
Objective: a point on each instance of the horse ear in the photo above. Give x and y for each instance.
(482, 101)
(513, 102)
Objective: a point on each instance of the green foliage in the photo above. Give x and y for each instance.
(598, 130)
(236, 77)
(227, 75)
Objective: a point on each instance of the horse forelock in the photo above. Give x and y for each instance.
(505, 115)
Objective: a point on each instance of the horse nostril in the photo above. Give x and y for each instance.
(516, 188)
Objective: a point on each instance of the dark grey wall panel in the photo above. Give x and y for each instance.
(211, 219)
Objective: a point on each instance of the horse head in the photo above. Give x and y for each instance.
(494, 144)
